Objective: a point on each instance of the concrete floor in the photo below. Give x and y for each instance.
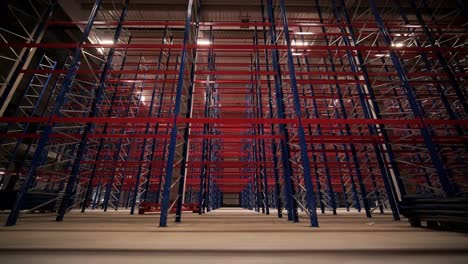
(225, 236)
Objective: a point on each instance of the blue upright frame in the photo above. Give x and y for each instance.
(44, 138)
(173, 139)
(71, 185)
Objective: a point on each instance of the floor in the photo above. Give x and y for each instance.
(227, 235)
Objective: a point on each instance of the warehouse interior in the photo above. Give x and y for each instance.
(256, 131)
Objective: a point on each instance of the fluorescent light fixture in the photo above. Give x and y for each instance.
(398, 45)
(382, 55)
(107, 41)
(143, 98)
(298, 43)
(2, 172)
(304, 33)
(296, 54)
(203, 42)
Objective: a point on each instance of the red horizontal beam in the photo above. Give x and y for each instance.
(362, 23)
(322, 139)
(232, 72)
(232, 47)
(154, 120)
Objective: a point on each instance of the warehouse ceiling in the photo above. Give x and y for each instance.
(227, 11)
(215, 10)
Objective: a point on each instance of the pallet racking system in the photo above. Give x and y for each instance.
(355, 106)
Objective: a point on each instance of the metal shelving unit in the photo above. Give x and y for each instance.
(354, 106)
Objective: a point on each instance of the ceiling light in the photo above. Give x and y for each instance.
(398, 45)
(382, 55)
(309, 24)
(203, 42)
(304, 33)
(298, 43)
(106, 41)
(296, 54)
